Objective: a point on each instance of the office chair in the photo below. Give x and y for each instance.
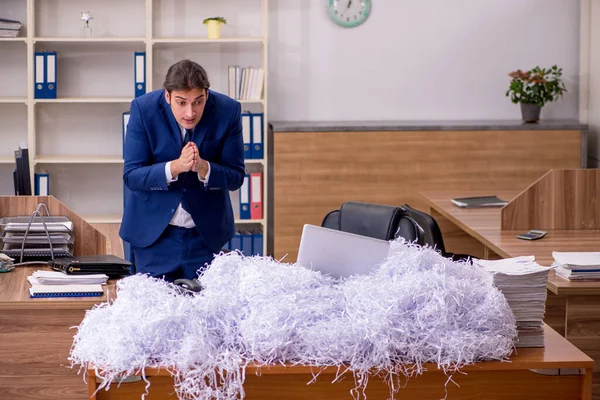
(378, 221)
(432, 234)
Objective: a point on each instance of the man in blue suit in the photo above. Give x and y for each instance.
(183, 153)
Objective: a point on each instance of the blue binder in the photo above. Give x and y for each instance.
(257, 244)
(39, 75)
(247, 134)
(42, 184)
(257, 136)
(139, 72)
(245, 198)
(236, 242)
(51, 73)
(127, 251)
(246, 244)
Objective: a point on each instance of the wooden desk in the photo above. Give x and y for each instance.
(497, 380)
(36, 340)
(572, 308)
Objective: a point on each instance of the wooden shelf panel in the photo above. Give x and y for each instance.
(17, 39)
(249, 221)
(85, 100)
(171, 40)
(91, 39)
(13, 100)
(78, 160)
(7, 159)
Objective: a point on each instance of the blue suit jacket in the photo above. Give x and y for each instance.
(153, 138)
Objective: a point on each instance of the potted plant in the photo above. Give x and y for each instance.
(534, 88)
(213, 25)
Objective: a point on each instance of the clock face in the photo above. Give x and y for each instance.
(349, 13)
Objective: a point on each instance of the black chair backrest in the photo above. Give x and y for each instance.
(379, 221)
(432, 235)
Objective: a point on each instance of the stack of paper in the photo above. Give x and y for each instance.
(577, 266)
(58, 278)
(57, 284)
(9, 28)
(44, 291)
(523, 283)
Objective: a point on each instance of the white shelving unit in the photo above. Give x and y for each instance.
(77, 137)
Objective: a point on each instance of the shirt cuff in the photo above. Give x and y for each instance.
(205, 180)
(168, 173)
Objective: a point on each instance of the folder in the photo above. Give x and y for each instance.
(256, 207)
(245, 198)
(236, 242)
(139, 70)
(246, 243)
(257, 136)
(42, 184)
(127, 250)
(46, 291)
(247, 135)
(257, 244)
(39, 72)
(51, 65)
(124, 122)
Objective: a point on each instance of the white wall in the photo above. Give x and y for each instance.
(427, 59)
(594, 87)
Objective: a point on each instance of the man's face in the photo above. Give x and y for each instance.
(187, 105)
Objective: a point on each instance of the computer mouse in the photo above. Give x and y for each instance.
(188, 284)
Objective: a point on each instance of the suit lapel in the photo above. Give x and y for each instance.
(201, 128)
(169, 118)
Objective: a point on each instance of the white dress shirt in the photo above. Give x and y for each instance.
(181, 217)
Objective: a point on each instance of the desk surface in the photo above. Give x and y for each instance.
(14, 293)
(484, 225)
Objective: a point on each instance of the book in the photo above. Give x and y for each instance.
(479, 201)
(37, 291)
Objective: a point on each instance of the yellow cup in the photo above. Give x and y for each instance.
(214, 29)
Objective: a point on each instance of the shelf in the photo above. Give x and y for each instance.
(249, 221)
(248, 39)
(7, 159)
(102, 218)
(254, 161)
(91, 39)
(85, 100)
(13, 100)
(10, 39)
(251, 101)
(78, 160)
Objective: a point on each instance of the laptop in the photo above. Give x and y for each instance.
(339, 254)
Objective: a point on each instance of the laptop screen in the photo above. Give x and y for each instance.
(340, 254)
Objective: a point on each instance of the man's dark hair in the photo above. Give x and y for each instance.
(186, 75)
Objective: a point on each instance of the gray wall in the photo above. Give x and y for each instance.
(431, 59)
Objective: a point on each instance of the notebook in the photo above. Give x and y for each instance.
(37, 291)
(479, 201)
(339, 254)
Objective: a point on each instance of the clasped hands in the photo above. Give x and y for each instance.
(189, 160)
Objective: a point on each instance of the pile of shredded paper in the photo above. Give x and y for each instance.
(416, 307)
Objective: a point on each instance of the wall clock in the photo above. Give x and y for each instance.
(349, 13)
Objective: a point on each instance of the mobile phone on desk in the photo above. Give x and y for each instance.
(533, 234)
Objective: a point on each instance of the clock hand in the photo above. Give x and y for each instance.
(347, 8)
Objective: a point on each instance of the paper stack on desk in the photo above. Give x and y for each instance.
(577, 266)
(57, 284)
(523, 283)
(58, 278)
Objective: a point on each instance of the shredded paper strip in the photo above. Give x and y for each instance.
(416, 307)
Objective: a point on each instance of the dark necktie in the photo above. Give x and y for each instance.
(187, 137)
